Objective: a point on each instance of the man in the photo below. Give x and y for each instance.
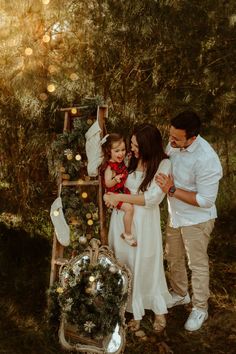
(192, 189)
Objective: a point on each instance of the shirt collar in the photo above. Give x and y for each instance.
(193, 146)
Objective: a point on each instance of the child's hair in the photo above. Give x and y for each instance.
(107, 145)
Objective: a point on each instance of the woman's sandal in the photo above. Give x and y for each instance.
(134, 325)
(129, 239)
(159, 323)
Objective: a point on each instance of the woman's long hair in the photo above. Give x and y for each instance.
(151, 152)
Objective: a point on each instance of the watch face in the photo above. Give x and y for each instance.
(172, 190)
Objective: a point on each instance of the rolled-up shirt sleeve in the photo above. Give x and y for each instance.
(154, 194)
(208, 176)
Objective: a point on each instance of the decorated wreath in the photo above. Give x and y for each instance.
(91, 295)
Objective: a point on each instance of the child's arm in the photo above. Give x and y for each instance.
(110, 179)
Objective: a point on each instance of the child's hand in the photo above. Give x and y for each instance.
(118, 178)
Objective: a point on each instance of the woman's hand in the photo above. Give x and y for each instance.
(111, 199)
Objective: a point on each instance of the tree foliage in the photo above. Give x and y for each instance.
(149, 59)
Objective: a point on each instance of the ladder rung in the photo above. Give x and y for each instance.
(60, 261)
(80, 183)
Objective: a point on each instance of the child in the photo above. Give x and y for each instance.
(114, 173)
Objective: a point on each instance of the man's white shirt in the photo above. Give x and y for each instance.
(197, 169)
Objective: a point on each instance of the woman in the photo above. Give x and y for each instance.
(149, 288)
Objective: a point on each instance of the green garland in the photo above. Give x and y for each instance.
(67, 157)
(89, 294)
(67, 152)
(81, 214)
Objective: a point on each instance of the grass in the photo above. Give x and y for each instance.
(24, 274)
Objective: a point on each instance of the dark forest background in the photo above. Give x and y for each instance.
(148, 60)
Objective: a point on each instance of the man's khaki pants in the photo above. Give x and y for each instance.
(191, 241)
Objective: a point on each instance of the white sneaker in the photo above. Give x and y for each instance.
(179, 300)
(195, 319)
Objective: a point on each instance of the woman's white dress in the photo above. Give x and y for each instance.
(149, 288)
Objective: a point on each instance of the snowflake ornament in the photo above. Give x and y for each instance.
(88, 326)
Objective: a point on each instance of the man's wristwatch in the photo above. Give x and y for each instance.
(171, 191)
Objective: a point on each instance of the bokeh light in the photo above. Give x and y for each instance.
(73, 110)
(46, 38)
(74, 76)
(52, 69)
(43, 96)
(51, 88)
(78, 157)
(28, 51)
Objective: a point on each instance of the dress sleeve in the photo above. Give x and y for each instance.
(154, 194)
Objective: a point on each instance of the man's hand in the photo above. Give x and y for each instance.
(164, 182)
(110, 199)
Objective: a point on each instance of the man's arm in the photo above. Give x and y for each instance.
(207, 184)
(166, 182)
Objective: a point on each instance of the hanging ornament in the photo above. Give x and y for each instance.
(84, 195)
(60, 290)
(88, 216)
(69, 154)
(92, 278)
(112, 269)
(90, 222)
(82, 240)
(78, 157)
(89, 121)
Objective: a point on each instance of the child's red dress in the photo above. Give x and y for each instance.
(118, 168)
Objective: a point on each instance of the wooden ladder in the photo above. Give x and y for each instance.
(58, 258)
